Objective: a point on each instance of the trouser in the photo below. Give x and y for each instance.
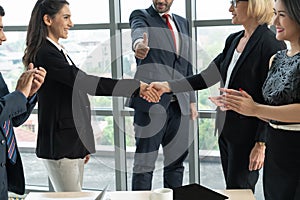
(66, 175)
(235, 164)
(168, 129)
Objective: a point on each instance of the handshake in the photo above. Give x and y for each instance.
(153, 91)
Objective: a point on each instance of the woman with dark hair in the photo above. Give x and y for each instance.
(65, 136)
(281, 92)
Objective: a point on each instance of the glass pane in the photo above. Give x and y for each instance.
(11, 54)
(129, 63)
(210, 166)
(17, 12)
(89, 11)
(210, 42)
(178, 7)
(206, 10)
(82, 11)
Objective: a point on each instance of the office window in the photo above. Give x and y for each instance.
(17, 12)
(210, 10)
(210, 42)
(128, 59)
(82, 13)
(89, 11)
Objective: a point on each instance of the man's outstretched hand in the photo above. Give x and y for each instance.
(149, 94)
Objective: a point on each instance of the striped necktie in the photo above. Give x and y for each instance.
(10, 141)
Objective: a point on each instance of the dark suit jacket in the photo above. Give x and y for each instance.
(162, 63)
(13, 106)
(249, 74)
(64, 113)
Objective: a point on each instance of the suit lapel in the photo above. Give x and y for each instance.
(180, 28)
(162, 26)
(248, 48)
(228, 58)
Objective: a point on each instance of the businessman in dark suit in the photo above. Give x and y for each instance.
(161, 42)
(243, 63)
(15, 108)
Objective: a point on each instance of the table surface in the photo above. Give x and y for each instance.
(120, 195)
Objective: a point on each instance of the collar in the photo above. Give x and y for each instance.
(55, 44)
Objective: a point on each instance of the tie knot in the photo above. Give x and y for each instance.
(166, 16)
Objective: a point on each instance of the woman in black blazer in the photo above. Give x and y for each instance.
(243, 63)
(65, 135)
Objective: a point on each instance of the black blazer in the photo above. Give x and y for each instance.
(249, 74)
(64, 112)
(13, 106)
(162, 63)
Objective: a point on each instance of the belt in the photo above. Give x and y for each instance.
(174, 98)
(287, 127)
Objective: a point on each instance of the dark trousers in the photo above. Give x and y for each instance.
(235, 162)
(169, 129)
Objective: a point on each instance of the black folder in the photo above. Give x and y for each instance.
(196, 192)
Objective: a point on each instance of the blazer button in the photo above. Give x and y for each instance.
(2, 164)
(3, 142)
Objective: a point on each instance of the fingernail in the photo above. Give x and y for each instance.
(240, 89)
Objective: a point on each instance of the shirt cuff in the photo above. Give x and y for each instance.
(32, 99)
(136, 42)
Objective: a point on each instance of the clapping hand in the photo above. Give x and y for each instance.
(239, 101)
(38, 80)
(219, 100)
(24, 83)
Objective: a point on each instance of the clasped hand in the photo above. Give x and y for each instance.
(153, 91)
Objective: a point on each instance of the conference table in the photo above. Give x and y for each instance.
(121, 195)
